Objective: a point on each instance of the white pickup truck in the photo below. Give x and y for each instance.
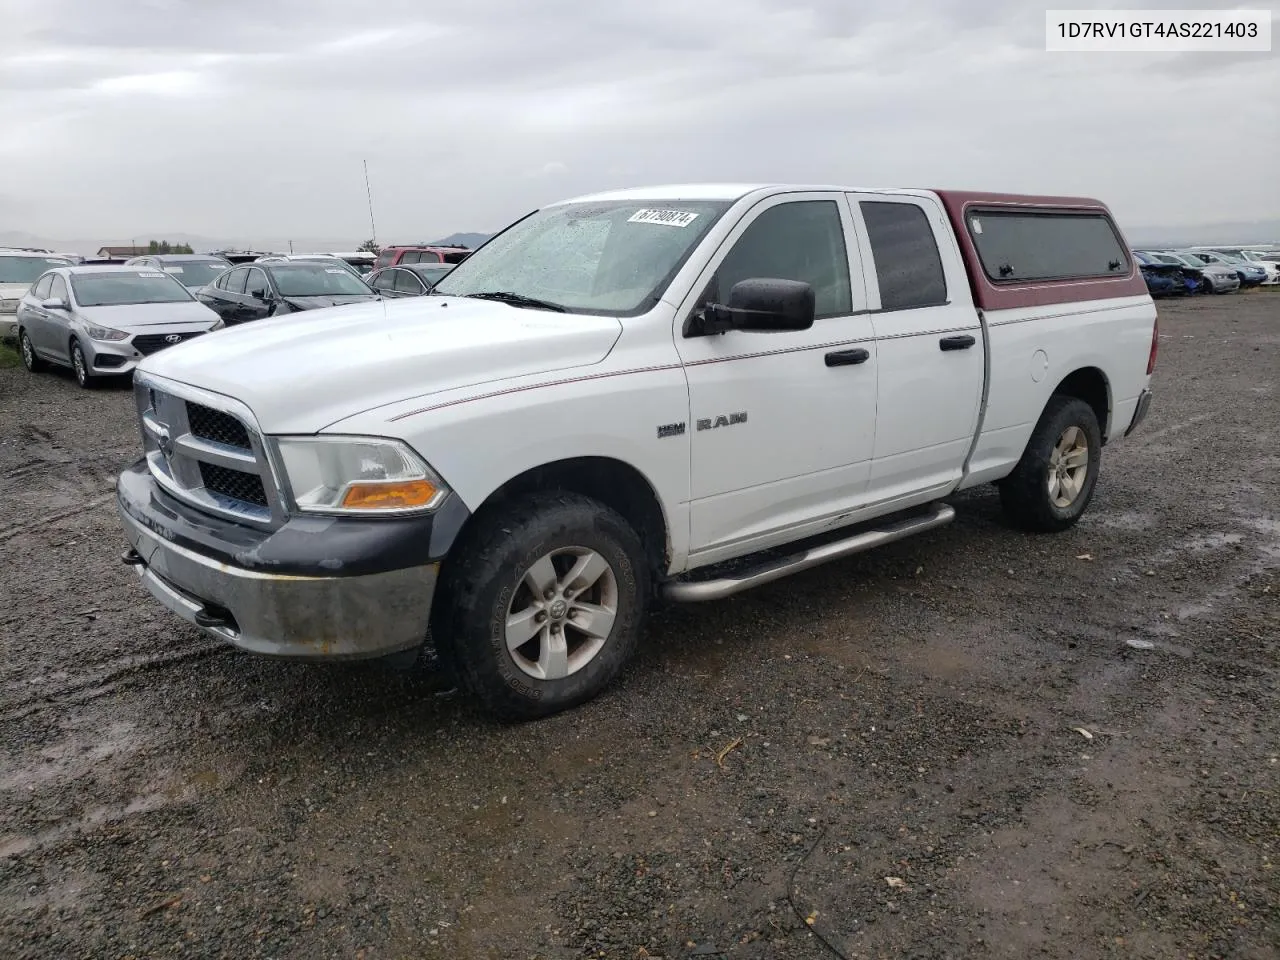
(675, 392)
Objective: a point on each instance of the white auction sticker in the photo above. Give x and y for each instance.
(1157, 31)
(667, 218)
(172, 269)
(334, 270)
(150, 273)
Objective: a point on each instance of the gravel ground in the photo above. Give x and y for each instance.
(973, 743)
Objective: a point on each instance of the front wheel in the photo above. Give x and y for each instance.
(1052, 485)
(543, 605)
(81, 367)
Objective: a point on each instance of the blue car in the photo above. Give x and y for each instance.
(1163, 279)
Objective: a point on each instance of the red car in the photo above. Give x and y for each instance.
(395, 256)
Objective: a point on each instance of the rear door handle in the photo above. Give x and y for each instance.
(845, 358)
(957, 343)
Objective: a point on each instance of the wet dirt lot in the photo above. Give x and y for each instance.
(974, 743)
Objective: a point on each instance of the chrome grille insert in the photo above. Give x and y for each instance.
(206, 450)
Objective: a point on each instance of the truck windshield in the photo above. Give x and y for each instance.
(614, 258)
(127, 287)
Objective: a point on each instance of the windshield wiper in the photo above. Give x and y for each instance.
(518, 300)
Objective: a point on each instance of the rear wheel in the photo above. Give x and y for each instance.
(1052, 485)
(29, 359)
(543, 605)
(81, 367)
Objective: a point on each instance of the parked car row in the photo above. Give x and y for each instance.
(100, 321)
(1203, 270)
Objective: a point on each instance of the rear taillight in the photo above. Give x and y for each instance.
(1155, 346)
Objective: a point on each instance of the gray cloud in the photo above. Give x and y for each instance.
(250, 118)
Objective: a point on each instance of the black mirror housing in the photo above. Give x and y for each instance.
(763, 305)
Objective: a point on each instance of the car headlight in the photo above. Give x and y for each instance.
(365, 475)
(104, 333)
(8, 306)
(218, 325)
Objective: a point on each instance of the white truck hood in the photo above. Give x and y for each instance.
(301, 372)
(13, 291)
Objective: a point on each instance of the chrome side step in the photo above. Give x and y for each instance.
(767, 572)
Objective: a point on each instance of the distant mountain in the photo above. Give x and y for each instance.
(468, 240)
(205, 244)
(1256, 231)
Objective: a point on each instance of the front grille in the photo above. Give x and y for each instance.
(149, 343)
(206, 451)
(236, 484)
(210, 424)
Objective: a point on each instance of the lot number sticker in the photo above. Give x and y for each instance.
(150, 273)
(667, 218)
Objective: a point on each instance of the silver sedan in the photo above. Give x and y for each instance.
(100, 321)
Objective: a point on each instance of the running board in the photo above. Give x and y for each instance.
(770, 570)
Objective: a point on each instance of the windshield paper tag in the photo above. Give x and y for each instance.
(667, 218)
(334, 270)
(172, 269)
(976, 224)
(150, 273)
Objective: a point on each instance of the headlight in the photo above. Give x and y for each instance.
(218, 325)
(8, 306)
(104, 333)
(365, 475)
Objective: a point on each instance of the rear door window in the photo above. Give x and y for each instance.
(236, 282)
(908, 265)
(1016, 246)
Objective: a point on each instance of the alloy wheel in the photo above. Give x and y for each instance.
(1068, 467)
(562, 613)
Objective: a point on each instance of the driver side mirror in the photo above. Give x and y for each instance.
(260, 294)
(762, 305)
(54, 303)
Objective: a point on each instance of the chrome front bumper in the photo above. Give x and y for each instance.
(299, 617)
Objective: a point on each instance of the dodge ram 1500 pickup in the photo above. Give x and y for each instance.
(675, 392)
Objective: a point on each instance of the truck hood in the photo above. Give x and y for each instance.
(301, 372)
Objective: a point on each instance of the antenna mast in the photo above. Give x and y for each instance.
(369, 193)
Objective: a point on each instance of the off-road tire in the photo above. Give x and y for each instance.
(479, 582)
(1024, 494)
(27, 350)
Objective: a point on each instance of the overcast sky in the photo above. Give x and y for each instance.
(250, 118)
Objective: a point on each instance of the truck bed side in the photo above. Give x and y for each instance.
(1086, 335)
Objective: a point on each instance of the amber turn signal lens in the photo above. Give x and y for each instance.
(389, 495)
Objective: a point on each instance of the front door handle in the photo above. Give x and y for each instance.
(957, 343)
(844, 358)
